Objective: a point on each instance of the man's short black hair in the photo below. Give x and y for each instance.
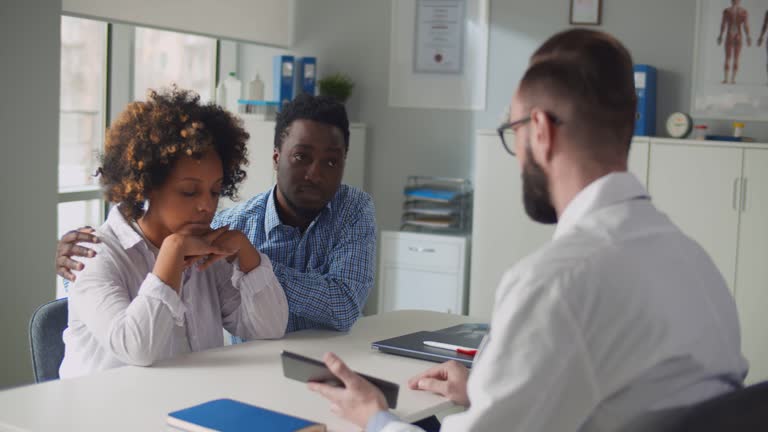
(321, 109)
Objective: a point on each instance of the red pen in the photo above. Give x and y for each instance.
(456, 348)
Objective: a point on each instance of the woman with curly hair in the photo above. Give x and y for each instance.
(163, 283)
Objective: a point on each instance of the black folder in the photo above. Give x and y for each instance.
(412, 344)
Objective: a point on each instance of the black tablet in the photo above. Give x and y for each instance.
(305, 369)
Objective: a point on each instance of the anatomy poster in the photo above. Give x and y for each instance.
(730, 70)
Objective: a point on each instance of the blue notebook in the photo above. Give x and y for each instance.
(227, 415)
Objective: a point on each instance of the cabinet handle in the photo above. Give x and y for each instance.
(421, 249)
(734, 193)
(744, 195)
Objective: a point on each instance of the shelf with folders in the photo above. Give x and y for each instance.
(437, 205)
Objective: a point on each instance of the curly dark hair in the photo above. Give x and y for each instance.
(145, 141)
(322, 109)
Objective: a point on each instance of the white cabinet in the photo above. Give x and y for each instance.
(716, 192)
(638, 158)
(697, 187)
(422, 271)
(752, 263)
(354, 167)
(261, 173)
(502, 233)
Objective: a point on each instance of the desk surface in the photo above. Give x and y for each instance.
(139, 399)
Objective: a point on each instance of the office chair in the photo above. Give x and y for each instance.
(738, 411)
(45, 329)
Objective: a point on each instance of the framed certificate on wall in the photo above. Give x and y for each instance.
(439, 54)
(439, 36)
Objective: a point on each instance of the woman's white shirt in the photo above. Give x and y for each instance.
(121, 313)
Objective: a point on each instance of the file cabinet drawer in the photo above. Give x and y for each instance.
(422, 271)
(420, 250)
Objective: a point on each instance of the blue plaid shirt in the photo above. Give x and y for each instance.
(327, 272)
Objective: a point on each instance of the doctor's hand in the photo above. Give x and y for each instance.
(448, 379)
(357, 401)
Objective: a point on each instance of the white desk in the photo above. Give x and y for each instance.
(138, 399)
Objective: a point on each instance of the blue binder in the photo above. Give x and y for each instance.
(306, 73)
(283, 79)
(645, 86)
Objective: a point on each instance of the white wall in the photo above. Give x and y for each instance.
(352, 36)
(264, 21)
(29, 121)
(657, 32)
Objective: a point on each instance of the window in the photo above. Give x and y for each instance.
(83, 79)
(81, 123)
(159, 58)
(163, 57)
(86, 212)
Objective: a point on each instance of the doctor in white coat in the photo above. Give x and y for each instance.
(621, 317)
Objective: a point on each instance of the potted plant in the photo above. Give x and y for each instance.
(337, 86)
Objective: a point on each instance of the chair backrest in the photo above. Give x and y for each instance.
(738, 411)
(45, 331)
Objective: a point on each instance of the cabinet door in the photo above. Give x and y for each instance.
(752, 266)
(354, 167)
(422, 271)
(412, 288)
(502, 233)
(697, 187)
(638, 159)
